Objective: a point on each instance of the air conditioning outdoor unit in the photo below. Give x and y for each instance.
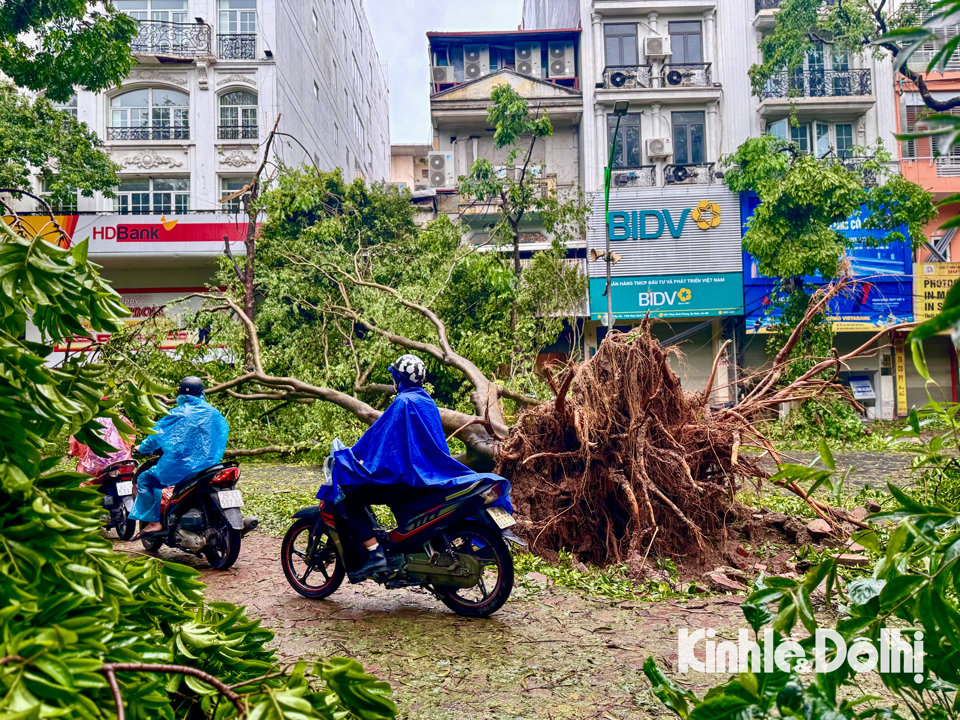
(476, 61)
(657, 46)
(442, 74)
(659, 147)
(528, 58)
(562, 59)
(442, 173)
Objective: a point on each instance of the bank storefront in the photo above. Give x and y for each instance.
(680, 261)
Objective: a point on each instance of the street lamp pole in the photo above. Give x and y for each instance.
(619, 109)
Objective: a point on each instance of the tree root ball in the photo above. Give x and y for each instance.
(624, 463)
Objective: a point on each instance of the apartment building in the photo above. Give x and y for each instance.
(187, 127)
(676, 74)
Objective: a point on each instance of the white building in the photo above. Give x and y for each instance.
(683, 67)
(187, 127)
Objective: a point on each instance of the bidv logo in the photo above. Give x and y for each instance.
(651, 224)
(657, 298)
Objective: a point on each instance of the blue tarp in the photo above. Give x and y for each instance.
(193, 436)
(405, 445)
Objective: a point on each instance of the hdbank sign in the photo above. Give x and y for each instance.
(681, 252)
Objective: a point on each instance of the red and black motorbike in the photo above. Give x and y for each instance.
(451, 542)
(201, 515)
(115, 482)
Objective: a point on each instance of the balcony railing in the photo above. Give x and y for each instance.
(820, 83)
(686, 75)
(238, 47)
(858, 165)
(238, 132)
(627, 77)
(149, 132)
(155, 37)
(948, 166)
(687, 174)
(767, 5)
(643, 176)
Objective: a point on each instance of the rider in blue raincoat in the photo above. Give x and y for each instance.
(399, 459)
(192, 436)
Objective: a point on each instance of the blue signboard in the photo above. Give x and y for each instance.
(883, 294)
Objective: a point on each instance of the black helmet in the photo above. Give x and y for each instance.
(408, 370)
(191, 386)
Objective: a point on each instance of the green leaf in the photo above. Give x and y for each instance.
(723, 707)
(862, 590)
(826, 455)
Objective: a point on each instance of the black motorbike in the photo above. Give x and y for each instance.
(115, 483)
(450, 542)
(201, 515)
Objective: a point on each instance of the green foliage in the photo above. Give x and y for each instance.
(69, 606)
(55, 45)
(818, 419)
(36, 138)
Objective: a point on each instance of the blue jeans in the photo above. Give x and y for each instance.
(149, 489)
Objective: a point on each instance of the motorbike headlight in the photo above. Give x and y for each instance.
(327, 472)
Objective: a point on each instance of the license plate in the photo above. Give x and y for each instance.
(125, 488)
(501, 517)
(230, 498)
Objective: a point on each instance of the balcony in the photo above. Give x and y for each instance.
(238, 132)
(818, 91)
(702, 174)
(643, 176)
(237, 47)
(627, 77)
(149, 132)
(688, 75)
(767, 5)
(858, 165)
(180, 40)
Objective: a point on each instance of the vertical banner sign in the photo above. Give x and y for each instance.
(900, 368)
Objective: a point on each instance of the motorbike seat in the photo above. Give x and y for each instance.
(212, 470)
(438, 497)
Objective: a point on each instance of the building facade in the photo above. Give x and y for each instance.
(188, 125)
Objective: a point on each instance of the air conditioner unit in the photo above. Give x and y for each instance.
(657, 46)
(442, 74)
(476, 61)
(562, 59)
(442, 173)
(528, 58)
(659, 147)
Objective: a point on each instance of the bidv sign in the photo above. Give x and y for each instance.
(651, 224)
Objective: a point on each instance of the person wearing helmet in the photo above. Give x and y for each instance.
(192, 437)
(400, 458)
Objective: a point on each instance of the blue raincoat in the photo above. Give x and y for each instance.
(405, 445)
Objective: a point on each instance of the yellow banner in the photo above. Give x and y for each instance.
(900, 368)
(931, 283)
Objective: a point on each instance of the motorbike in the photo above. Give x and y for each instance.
(201, 514)
(115, 483)
(451, 542)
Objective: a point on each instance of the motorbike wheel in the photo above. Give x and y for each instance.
(226, 552)
(298, 569)
(125, 526)
(150, 544)
(496, 582)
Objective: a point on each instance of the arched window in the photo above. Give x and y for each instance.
(238, 116)
(150, 114)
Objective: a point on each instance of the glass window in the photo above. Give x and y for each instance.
(238, 116)
(150, 114)
(357, 77)
(801, 137)
(688, 138)
(778, 129)
(238, 29)
(844, 140)
(160, 10)
(620, 41)
(627, 152)
(358, 127)
(69, 107)
(228, 186)
(686, 43)
(158, 196)
(823, 139)
(67, 206)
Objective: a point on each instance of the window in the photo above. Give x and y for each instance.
(357, 77)
(844, 140)
(316, 90)
(69, 107)
(238, 116)
(688, 138)
(820, 138)
(66, 206)
(238, 29)
(150, 114)
(333, 77)
(316, 20)
(358, 127)
(799, 136)
(686, 43)
(627, 153)
(171, 11)
(620, 41)
(157, 196)
(356, 28)
(228, 186)
(336, 135)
